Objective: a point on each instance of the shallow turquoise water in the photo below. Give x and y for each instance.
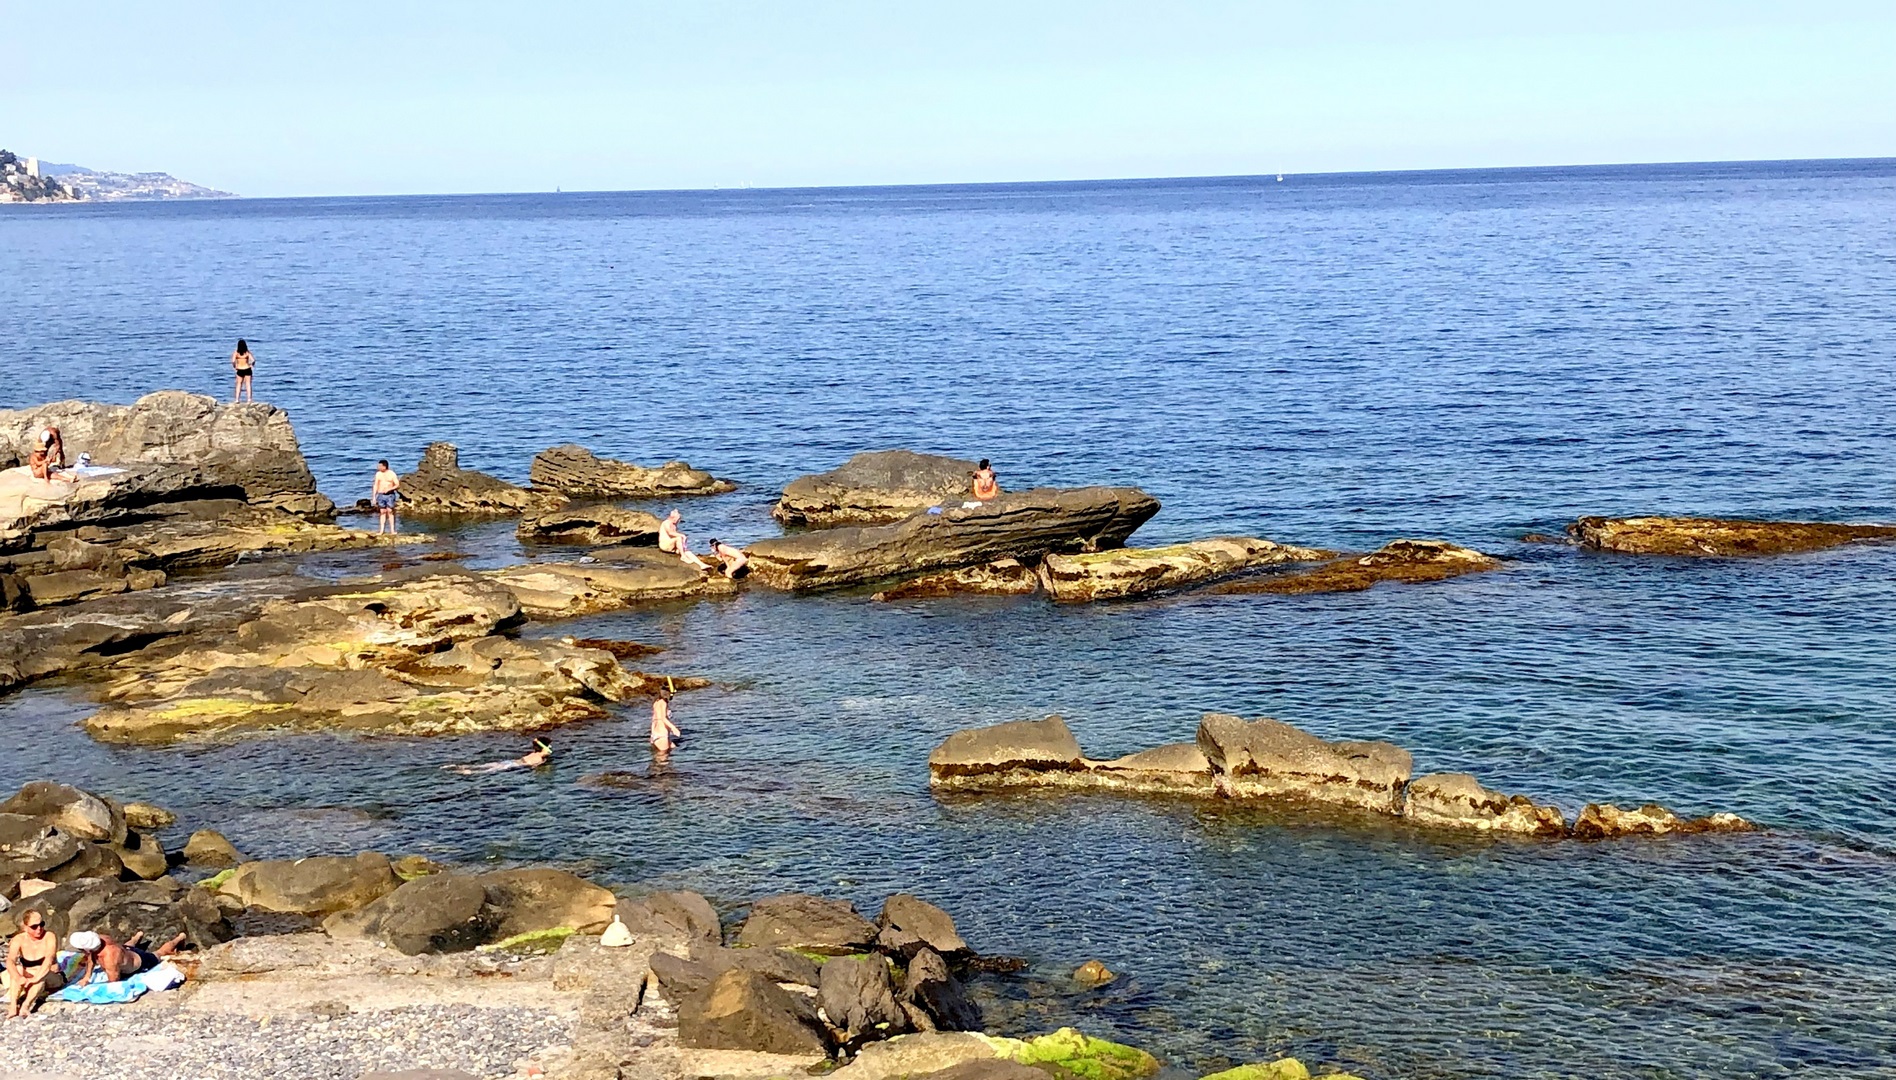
(1334, 361)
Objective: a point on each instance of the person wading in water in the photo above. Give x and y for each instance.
(245, 365)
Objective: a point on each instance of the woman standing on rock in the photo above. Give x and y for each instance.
(244, 365)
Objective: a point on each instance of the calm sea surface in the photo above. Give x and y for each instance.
(1328, 360)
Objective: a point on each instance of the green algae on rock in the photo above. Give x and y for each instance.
(1071, 1055)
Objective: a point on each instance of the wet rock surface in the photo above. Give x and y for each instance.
(1003, 577)
(875, 488)
(1268, 758)
(614, 579)
(1405, 561)
(1127, 572)
(1718, 537)
(576, 472)
(1024, 526)
(1000, 753)
(439, 485)
(1459, 801)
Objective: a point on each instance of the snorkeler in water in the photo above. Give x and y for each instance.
(541, 753)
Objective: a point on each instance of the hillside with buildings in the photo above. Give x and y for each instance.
(24, 179)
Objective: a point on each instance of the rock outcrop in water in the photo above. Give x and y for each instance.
(439, 485)
(416, 655)
(1407, 561)
(614, 578)
(591, 525)
(1023, 525)
(1127, 572)
(573, 471)
(1718, 537)
(1002, 577)
(1267, 760)
(200, 449)
(875, 488)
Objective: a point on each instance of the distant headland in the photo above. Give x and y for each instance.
(26, 179)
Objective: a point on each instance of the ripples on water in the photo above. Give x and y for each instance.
(1334, 361)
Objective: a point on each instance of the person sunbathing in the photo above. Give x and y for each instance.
(541, 753)
(115, 960)
(673, 541)
(31, 973)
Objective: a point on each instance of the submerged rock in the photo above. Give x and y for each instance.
(439, 485)
(1458, 801)
(1108, 575)
(1094, 973)
(1268, 758)
(1717, 537)
(590, 525)
(575, 472)
(1599, 821)
(1407, 561)
(1003, 577)
(1024, 526)
(875, 488)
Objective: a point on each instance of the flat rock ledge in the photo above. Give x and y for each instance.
(589, 525)
(1025, 526)
(874, 488)
(612, 579)
(575, 472)
(439, 485)
(1406, 561)
(1718, 537)
(1268, 760)
(1128, 572)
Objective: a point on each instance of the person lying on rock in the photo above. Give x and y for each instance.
(731, 556)
(113, 960)
(664, 733)
(31, 973)
(985, 486)
(541, 753)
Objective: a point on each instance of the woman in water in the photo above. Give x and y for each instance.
(985, 486)
(541, 753)
(244, 365)
(664, 732)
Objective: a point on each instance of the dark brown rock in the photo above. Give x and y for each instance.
(743, 1010)
(79, 814)
(1024, 526)
(439, 913)
(1718, 537)
(575, 472)
(1458, 801)
(321, 885)
(681, 917)
(1003, 577)
(875, 488)
(160, 909)
(808, 923)
(542, 898)
(908, 924)
(1406, 561)
(931, 986)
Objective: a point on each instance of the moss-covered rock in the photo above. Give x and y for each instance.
(1070, 1055)
(1282, 1069)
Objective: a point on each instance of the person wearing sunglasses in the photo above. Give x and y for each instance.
(30, 966)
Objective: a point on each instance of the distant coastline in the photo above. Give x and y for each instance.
(26, 179)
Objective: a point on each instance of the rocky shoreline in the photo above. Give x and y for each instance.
(350, 966)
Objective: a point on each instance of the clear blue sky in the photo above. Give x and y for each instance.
(365, 98)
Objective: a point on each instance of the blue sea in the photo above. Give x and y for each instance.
(1332, 360)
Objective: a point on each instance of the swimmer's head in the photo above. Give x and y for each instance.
(543, 747)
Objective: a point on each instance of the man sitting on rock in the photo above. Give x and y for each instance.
(31, 972)
(672, 541)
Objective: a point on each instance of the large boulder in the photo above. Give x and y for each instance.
(1024, 525)
(143, 856)
(79, 814)
(679, 977)
(30, 846)
(808, 923)
(318, 886)
(1110, 575)
(1458, 801)
(160, 909)
(909, 924)
(1268, 758)
(540, 898)
(932, 987)
(591, 525)
(858, 997)
(439, 485)
(436, 913)
(573, 471)
(681, 918)
(1011, 753)
(875, 488)
(1407, 561)
(249, 446)
(743, 1010)
(208, 847)
(1717, 537)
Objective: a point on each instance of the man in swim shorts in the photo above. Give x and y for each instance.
(387, 488)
